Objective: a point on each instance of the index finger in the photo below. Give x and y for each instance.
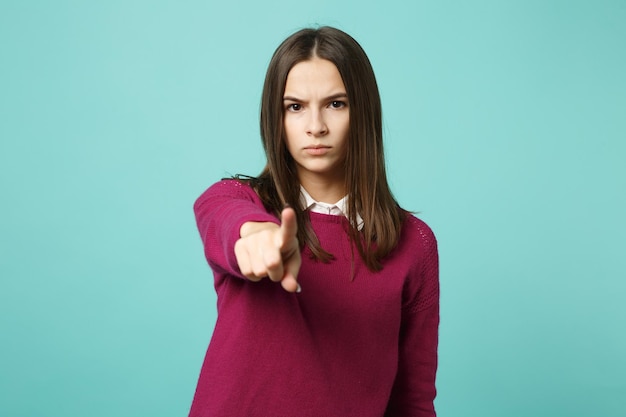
(288, 226)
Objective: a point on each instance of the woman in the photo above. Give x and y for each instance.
(328, 292)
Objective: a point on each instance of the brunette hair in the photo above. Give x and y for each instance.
(365, 178)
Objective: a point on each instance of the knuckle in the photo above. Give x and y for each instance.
(253, 278)
(259, 271)
(273, 262)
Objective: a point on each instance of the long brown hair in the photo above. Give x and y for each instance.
(365, 177)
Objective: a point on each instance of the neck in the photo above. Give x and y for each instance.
(323, 189)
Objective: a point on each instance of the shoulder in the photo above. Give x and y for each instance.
(227, 189)
(230, 186)
(417, 245)
(417, 232)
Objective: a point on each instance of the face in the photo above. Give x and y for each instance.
(316, 120)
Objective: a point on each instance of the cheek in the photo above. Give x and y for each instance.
(345, 131)
(290, 138)
(287, 131)
(344, 123)
(290, 127)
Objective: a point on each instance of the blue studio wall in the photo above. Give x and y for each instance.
(505, 127)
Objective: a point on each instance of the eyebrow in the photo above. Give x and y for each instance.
(329, 98)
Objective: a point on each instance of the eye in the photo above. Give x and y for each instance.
(294, 107)
(337, 104)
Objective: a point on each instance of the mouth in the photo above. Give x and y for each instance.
(317, 150)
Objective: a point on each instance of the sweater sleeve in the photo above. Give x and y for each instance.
(220, 212)
(414, 389)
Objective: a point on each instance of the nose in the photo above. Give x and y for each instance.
(316, 124)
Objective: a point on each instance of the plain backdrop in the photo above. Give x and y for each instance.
(505, 126)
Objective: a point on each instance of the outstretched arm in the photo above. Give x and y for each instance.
(242, 239)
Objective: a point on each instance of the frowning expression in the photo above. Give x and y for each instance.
(316, 120)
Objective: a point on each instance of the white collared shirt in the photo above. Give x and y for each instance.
(337, 209)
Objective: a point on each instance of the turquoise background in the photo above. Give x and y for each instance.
(505, 128)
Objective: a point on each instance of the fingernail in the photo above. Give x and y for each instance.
(299, 289)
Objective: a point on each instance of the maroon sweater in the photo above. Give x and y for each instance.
(342, 347)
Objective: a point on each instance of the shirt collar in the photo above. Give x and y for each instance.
(337, 209)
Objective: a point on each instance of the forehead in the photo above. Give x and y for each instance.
(315, 75)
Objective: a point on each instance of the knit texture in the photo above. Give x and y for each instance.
(350, 344)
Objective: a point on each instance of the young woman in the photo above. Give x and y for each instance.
(328, 291)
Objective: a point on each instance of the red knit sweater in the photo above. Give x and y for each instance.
(342, 347)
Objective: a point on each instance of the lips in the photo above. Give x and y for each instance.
(317, 150)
